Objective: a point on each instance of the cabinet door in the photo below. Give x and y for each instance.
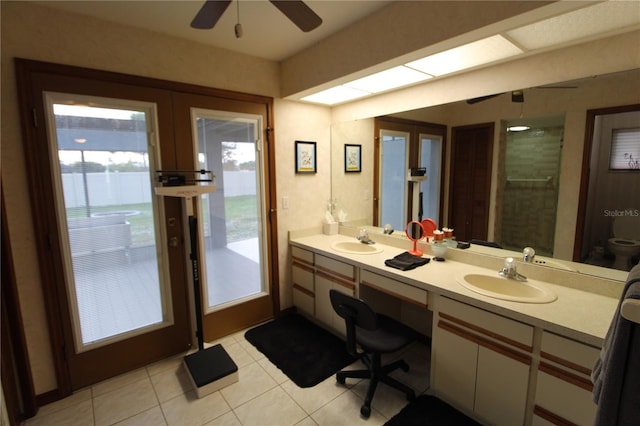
(501, 388)
(454, 368)
(324, 310)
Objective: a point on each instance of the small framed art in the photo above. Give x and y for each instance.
(352, 158)
(305, 157)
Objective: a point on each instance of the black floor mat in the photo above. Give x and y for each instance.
(427, 410)
(305, 352)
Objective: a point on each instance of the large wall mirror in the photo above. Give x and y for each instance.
(536, 178)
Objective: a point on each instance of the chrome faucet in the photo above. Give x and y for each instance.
(363, 237)
(509, 270)
(528, 254)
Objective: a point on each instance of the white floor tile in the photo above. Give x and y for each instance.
(188, 410)
(274, 407)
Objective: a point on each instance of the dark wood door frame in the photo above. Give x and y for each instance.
(585, 174)
(32, 135)
(415, 129)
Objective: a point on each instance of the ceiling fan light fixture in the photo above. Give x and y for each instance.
(518, 128)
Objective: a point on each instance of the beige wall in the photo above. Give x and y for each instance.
(34, 32)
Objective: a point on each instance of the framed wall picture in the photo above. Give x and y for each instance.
(305, 157)
(352, 158)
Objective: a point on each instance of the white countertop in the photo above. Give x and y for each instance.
(577, 314)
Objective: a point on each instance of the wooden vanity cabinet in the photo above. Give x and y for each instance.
(332, 274)
(302, 274)
(481, 362)
(564, 387)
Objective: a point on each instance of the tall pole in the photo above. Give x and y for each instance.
(85, 184)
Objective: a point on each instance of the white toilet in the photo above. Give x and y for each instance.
(625, 242)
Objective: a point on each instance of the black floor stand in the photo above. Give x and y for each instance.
(210, 369)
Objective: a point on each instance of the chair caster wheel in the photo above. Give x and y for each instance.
(340, 380)
(404, 367)
(365, 411)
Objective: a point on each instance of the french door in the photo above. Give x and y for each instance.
(112, 252)
(402, 145)
(235, 227)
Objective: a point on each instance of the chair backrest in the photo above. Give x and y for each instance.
(349, 307)
(355, 313)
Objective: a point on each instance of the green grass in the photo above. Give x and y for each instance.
(241, 218)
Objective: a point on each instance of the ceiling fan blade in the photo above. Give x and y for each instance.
(209, 14)
(299, 13)
(481, 98)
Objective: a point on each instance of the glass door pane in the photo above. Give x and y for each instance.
(394, 150)
(430, 157)
(230, 221)
(103, 173)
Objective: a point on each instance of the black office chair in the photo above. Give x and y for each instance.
(376, 334)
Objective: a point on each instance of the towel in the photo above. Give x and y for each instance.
(616, 374)
(406, 261)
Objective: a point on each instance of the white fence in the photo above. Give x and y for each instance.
(121, 188)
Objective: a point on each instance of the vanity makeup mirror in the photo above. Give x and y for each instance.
(414, 232)
(567, 102)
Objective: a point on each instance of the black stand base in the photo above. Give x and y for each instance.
(210, 370)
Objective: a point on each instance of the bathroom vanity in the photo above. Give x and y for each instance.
(500, 361)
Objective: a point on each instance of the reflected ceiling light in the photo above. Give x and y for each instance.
(80, 140)
(467, 56)
(520, 128)
(335, 95)
(388, 79)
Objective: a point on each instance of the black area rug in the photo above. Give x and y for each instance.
(427, 410)
(305, 352)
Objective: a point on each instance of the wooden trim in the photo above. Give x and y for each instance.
(566, 376)
(553, 418)
(335, 280)
(572, 365)
(321, 270)
(303, 290)
(489, 333)
(396, 295)
(302, 265)
(584, 174)
(517, 356)
(17, 378)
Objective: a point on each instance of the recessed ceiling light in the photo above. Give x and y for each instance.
(388, 79)
(335, 95)
(517, 128)
(601, 18)
(467, 56)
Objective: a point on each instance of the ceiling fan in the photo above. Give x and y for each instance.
(296, 10)
(517, 96)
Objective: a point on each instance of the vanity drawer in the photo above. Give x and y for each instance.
(302, 255)
(394, 288)
(336, 267)
(489, 324)
(569, 353)
(302, 276)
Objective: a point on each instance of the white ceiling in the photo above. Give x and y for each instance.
(267, 32)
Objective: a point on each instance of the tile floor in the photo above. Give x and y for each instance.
(160, 394)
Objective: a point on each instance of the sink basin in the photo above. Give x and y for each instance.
(355, 247)
(507, 289)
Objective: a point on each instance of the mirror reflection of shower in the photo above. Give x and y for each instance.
(531, 169)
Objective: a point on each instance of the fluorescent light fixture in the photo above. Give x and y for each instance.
(335, 95)
(521, 128)
(467, 56)
(388, 79)
(601, 18)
